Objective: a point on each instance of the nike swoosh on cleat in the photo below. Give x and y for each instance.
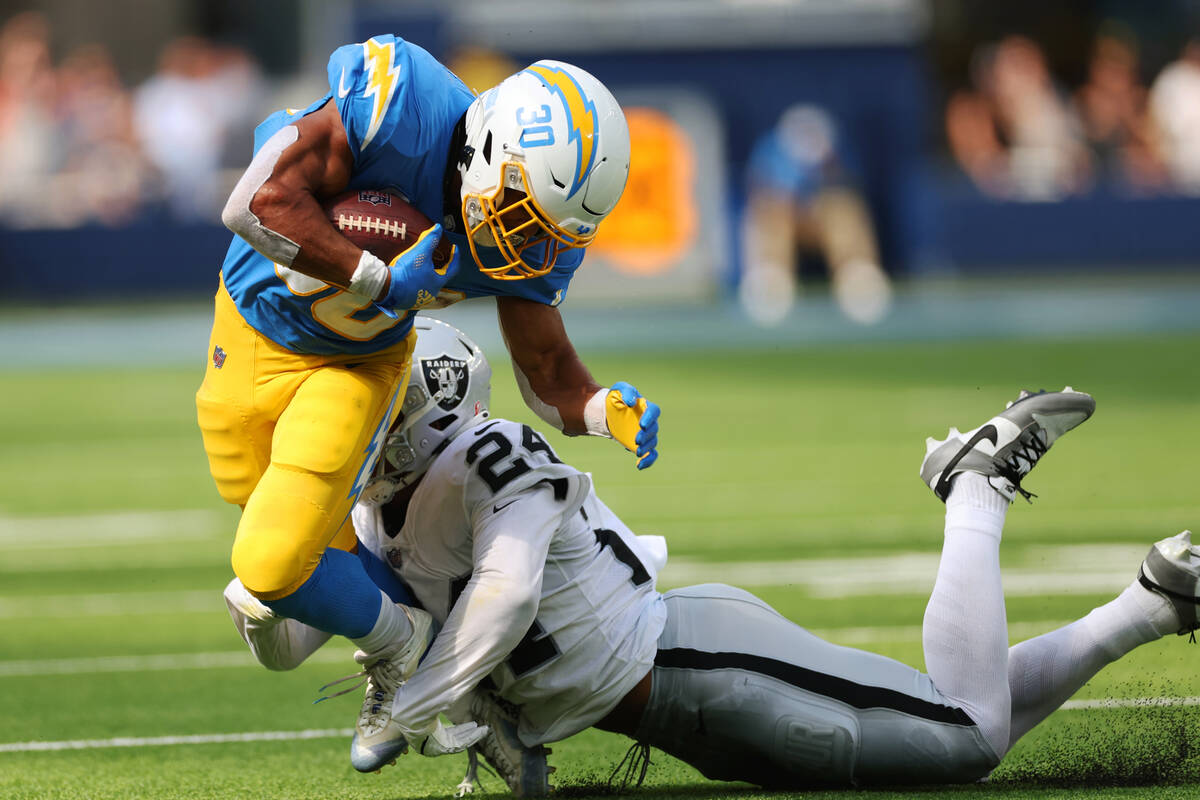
(342, 90)
(942, 488)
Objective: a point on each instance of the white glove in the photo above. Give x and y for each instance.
(440, 740)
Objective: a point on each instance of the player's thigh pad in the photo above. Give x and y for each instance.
(324, 446)
(742, 693)
(246, 386)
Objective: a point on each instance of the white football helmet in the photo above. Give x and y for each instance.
(447, 394)
(546, 159)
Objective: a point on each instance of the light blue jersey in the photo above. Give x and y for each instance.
(400, 107)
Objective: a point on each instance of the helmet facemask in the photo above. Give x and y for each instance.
(511, 220)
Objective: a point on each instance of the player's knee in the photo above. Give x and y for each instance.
(267, 570)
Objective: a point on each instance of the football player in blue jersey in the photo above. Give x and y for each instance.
(312, 338)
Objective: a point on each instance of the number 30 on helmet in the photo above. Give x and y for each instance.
(546, 159)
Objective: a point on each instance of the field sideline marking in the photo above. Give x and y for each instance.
(331, 733)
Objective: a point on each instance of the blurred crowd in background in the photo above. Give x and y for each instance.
(80, 146)
(892, 138)
(1018, 132)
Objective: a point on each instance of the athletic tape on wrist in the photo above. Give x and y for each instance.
(595, 419)
(369, 277)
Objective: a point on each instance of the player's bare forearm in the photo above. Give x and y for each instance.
(316, 164)
(544, 357)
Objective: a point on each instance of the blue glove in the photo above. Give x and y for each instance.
(633, 421)
(415, 281)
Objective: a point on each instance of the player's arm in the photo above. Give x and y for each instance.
(492, 614)
(276, 204)
(559, 388)
(276, 207)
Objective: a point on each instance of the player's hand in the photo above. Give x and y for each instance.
(414, 281)
(441, 740)
(633, 421)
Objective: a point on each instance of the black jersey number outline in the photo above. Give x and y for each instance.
(502, 449)
(613, 541)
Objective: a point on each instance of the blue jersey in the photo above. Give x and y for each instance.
(399, 107)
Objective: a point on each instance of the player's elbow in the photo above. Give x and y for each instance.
(525, 603)
(512, 599)
(236, 215)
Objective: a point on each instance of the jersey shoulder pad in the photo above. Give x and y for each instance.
(387, 89)
(369, 85)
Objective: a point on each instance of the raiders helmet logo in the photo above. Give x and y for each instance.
(449, 377)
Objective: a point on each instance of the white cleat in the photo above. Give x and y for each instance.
(1172, 569)
(377, 739)
(1006, 447)
(523, 769)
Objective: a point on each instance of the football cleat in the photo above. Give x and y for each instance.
(1172, 569)
(377, 739)
(1006, 447)
(523, 768)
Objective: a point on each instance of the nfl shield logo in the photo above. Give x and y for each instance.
(374, 198)
(447, 376)
(218, 357)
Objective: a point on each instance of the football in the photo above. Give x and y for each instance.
(381, 222)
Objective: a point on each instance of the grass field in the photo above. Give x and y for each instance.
(114, 549)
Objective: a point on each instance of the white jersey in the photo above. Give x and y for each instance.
(536, 582)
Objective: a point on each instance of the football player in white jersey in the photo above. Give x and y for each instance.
(551, 623)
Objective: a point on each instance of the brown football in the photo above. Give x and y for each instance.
(381, 222)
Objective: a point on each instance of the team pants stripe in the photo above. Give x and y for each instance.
(854, 694)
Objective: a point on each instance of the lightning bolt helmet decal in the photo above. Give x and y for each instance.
(582, 123)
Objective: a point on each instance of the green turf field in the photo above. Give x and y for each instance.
(114, 550)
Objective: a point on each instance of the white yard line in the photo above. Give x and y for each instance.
(341, 733)
(157, 741)
(106, 529)
(155, 663)
(1128, 702)
(333, 655)
(863, 635)
(110, 604)
(1072, 569)
(1068, 569)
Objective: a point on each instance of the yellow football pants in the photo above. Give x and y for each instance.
(287, 436)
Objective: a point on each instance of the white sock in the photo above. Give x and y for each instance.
(392, 629)
(965, 632)
(1046, 670)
